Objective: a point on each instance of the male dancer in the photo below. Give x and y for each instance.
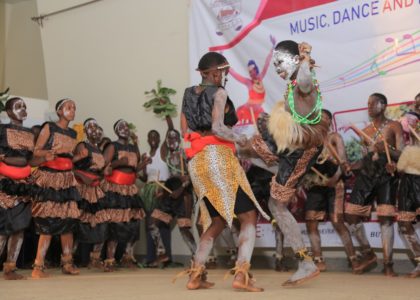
(376, 180)
(328, 196)
(296, 131)
(409, 195)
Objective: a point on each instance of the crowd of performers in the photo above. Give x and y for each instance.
(86, 192)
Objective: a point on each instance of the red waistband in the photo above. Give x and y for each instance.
(13, 172)
(121, 178)
(95, 178)
(199, 142)
(59, 163)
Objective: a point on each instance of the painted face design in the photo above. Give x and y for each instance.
(375, 107)
(19, 110)
(172, 140)
(285, 64)
(69, 110)
(122, 130)
(91, 129)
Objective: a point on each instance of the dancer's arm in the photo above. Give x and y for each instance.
(304, 75)
(40, 156)
(218, 114)
(184, 124)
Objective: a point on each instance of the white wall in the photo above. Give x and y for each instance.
(23, 66)
(105, 55)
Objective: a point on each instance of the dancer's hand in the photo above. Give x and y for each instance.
(146, 159)
(49, 155)
(242, 141)
(108, 170)
(391, 168)
(305, 51)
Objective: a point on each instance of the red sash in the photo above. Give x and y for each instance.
(59, 163)
(13, 172)
(121, 178)
(94, 177)
(199, 142)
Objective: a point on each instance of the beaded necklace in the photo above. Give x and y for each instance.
(378, 131)
(316, 109)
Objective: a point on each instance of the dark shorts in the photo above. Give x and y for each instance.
(243, 204)
(409, 197)
(320, 199)
(325, 200)
(367, 189)
(179, 207)
(15, 219)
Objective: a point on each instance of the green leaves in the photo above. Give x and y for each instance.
(3, 98)
(160, 101)
(353, 150)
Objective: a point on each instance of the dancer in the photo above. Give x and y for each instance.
(218, 179)
(409, 194)
(89, 168)
(327, 196)
(376, 180)
(296, 131)
(176, 162)
(55, 210)
(16, 149)
(122, 202)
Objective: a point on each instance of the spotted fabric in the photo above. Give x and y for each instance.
(216, 174)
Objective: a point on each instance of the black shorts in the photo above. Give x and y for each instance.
(366, 189)
(409, 193)
(243, 204)
(174, 207)
(15, 219)
(369, 187)
(320, 198)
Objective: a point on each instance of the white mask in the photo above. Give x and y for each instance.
(285, 64)
(19, 112)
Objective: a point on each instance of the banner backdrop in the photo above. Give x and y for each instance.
(361, 47)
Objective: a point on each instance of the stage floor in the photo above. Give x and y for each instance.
(156, 284)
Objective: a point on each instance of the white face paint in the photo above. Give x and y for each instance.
(19, 110)
(172, 141)
(285, 64)
(69, 109)
(122, 129)
(92, 132)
